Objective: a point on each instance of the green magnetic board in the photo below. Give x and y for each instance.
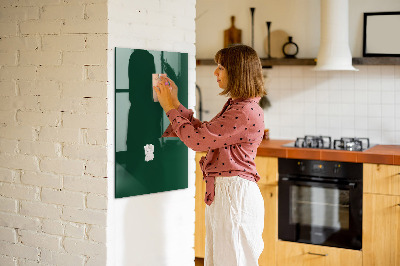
(140, 122)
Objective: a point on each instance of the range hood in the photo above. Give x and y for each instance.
(334, 51)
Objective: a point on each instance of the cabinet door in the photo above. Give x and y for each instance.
(267, 168)
(381, 179)
(200, 207)
(297, 254)
(270, 233)
(381, 230)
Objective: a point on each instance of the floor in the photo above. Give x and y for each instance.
(199, 262)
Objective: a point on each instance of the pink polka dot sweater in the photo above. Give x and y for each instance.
(231, 139)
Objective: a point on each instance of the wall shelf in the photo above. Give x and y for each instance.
(312, 61)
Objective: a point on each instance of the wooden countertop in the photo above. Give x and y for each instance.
(379, 154)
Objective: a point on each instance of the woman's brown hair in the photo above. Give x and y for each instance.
(245, 78)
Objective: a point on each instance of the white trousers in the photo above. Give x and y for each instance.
(234, 223)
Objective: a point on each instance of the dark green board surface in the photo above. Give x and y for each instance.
(141, 121)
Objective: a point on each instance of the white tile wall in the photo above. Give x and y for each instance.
(338, 104)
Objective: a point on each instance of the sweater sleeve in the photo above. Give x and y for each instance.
(225, 130)
(186, 113)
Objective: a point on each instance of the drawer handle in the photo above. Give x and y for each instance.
(318, 254)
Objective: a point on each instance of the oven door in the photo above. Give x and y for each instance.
(320, 212)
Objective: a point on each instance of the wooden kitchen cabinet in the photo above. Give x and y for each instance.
(381, 179)
(381, 215)
(267, 167)
(200, 207)
(381, 230)
(298, 254)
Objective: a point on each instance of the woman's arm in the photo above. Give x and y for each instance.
(228, 129)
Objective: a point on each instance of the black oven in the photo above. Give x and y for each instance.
(320, 202)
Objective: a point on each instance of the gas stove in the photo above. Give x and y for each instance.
(325, 142)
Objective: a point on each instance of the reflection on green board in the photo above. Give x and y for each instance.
(140, 122)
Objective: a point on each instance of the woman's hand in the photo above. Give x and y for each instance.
(164, 95)
(174, 90)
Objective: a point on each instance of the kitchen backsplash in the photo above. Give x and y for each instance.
(337, 104)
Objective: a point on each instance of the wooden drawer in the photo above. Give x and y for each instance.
(381, 179)
(297, 254)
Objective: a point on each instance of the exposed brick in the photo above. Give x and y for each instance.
(39, 118)
(97, 233)
(84, 216)
(38, 209)
(19, 43)
(8, 58)
(18, 72)
(53, 227)
(8, 205)
(19, 221)
(94, 201)
(98, 73)
(19, 250)
(39, 87)
(41, 179)
(62, 166)
(96, 185)
(63, 197)
(40, 148)
(96, 42)
(96, 136)
(8, 117)
(97, 11)
(16, 132)
(25, 262)
(61, 259)
(8, 234)
(96, 168)
(98, 121)
(65, 42)
(84, 247)
(60, 73)
(89, 57)
(62, 12)
(7, 175)
(87, 88)
(39, 58)
(84, 26)
(85, 152)
(75, 230)
(100, 260)
(31, 2)
(59, 134)
(8, 261)
(18, 13)
(35, 239)
(7, 88)
(40, 27)
(8, 146)
(18, 191)
(62, 104)
(25, 103)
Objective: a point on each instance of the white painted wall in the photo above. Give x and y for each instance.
(338, 104)
(155, 229)
(299, 18)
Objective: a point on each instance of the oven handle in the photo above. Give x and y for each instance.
(297, 181)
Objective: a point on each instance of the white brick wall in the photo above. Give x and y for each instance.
(53, 107)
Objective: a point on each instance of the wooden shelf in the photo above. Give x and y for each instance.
(312, 61)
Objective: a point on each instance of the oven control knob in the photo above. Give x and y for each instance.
(336, 169)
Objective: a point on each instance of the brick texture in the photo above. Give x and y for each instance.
(53, 109)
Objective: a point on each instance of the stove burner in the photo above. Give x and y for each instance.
(351, 144)
(308, 141)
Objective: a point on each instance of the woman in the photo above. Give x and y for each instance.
(235, 207)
